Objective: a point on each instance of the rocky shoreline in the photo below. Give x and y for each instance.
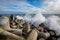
(17, 29)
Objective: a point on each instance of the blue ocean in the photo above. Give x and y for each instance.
(32, 15)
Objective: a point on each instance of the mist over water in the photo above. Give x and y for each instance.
(36, 20)
(52, 22)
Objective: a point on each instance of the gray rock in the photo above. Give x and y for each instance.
(41, 39)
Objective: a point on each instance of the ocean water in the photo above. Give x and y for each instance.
(48, 15)
(32, 15)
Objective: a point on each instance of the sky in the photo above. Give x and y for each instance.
(31, 6)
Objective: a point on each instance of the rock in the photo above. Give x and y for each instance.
(44, 35)
(41, 29)
(10, 35)
(4, 23)
(13, 25)
(53, 38)
(52, 33)
(33, 35)
(58, 39)
(11, 18)
(16, 31)
(41, 39)
(26, 28)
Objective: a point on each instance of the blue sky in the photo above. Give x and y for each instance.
(13, 4)
(36, 3)
(21, 5)
(31, 6)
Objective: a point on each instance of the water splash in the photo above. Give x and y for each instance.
(53, 23)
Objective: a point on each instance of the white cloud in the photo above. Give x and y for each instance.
(19, 6)
(49, 6)
(52, 6)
